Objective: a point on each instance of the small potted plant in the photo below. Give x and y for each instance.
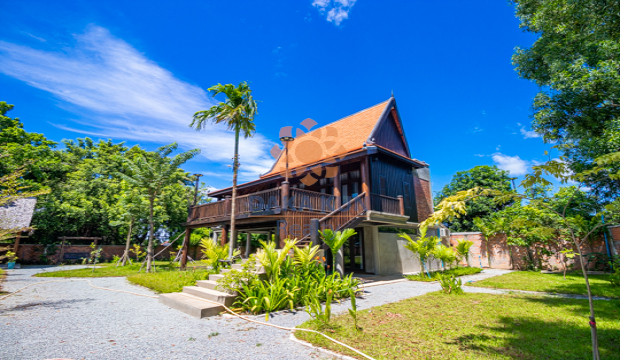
(11, 257)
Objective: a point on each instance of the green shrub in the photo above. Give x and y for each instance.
(614, 278)
(450, 284)
(291, 282)
(169, 281)
(434, 276)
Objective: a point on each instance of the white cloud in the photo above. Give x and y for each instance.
(477, 129)
(124, 95)
(335, 11)
(529, 134)
(513, 164)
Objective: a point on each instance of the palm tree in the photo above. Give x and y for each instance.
(422, 247)
(237, 112)
(151, 174)
(335, 240)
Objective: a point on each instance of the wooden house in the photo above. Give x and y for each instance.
(357, 172)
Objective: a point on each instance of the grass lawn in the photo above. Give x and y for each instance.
(169, 281)
(167, 278)
(476, 326)
(436, 274)
(535, 281)
(103, 270)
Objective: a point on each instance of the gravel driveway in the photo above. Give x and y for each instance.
(73, 320)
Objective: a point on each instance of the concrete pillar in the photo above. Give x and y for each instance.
(248, 240)
(314, 232)
(214, 236)
(376, 247)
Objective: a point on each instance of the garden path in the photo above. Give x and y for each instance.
(72, 320)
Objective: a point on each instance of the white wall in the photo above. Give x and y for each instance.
(391, 256)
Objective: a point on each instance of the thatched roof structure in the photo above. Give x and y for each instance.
(17, 214)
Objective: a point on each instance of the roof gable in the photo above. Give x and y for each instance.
(333, 140)
(390, 135)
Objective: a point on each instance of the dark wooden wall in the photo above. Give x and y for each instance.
(396, 175)
(389, 137)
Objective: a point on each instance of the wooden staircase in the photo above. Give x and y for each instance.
(346, 216)
(192, 300)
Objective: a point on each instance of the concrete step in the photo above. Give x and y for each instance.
(190, 305)
(215, 277)
(224, 271)
(207, 284)
(237, 266)
(208, 294)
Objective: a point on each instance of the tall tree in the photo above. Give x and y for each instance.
(151, 175)
(237, 112)
(132, 207)
(575, 228)
(576, 62)
(480, 176)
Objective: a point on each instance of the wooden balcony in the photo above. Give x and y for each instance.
(272, 202)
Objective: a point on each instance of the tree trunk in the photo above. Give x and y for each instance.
(595, 353)
(233, 233)
(149, 249)
(126, 254)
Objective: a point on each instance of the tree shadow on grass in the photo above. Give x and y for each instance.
(53, 305)
(524, 337)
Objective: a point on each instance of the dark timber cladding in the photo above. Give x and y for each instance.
(392, 177)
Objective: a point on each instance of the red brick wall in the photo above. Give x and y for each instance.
(31, 254)
(615, 237)
(501, 258)
(423, 198)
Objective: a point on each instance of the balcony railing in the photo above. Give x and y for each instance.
(305, 200)
(299, 200)
(385, 204)
(257, 202)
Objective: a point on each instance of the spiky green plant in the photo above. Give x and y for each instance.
(335, 240)
(462, 249)
(271, 258)
(422, 247)
(213, 253)
(306, 257)
(446, 254)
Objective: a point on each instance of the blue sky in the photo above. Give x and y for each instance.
(136, 71)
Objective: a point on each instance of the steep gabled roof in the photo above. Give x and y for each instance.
(338, 138)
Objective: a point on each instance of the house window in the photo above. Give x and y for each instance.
(383, 184)
(302, 186)
(354, 174)
(323, 182)
(344, 177)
